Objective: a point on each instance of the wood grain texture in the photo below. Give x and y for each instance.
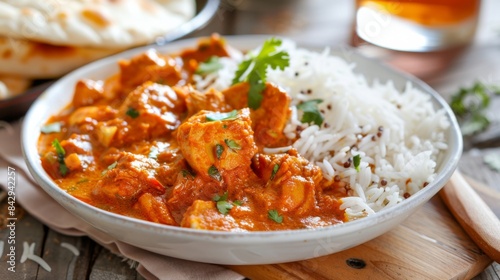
(473, 214)
(429, 245)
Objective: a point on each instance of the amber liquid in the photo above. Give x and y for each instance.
(428, 12)
(416, 25)
(422, 37)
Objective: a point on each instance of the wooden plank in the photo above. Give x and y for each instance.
(429, 245)
(27, 229)
(64, 263)
(109, 266)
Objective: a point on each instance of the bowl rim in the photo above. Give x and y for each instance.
(31, 157)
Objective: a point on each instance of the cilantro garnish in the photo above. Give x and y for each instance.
(223, 205)
(187, 173)
(51, 127)
(214, 173)
(111, 166)
(211, 65)
(470, 104)
(276, 167)
(232, 144)
(63, 169)
(254, 69)
(311, 112)
(356, 160)
(275, 216)
(217, 116)
(133, 113)
(219, 149)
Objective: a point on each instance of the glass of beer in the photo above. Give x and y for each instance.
(417, 25)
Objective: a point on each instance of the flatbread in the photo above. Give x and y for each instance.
(93, 23)
(34, 60)
(10, 86)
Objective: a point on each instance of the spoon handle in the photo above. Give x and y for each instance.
(475, 217)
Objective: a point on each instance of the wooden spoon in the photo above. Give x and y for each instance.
(472, 213)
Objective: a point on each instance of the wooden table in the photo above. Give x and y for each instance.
(316, 23)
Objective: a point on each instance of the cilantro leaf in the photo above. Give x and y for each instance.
(187, 173)
(356, 160)
(219, 149)
(469, 106)
(63, 169)
(224, 206)
(276, 167)
(254, 69)
(275, 216)
(211, 65)
(232, 144)
(217, 116)
(111, 166)
(214, 173)
(311, 112)
(133, 113)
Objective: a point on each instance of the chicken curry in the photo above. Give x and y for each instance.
(146, 144)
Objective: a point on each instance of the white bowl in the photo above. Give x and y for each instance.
(232, 247)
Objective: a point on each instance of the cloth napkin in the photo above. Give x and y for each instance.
(41, 206)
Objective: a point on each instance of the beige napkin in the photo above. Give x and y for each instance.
(41, 206)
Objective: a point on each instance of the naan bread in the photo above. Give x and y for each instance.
(93, 23)
(40, 61)
(10, 86)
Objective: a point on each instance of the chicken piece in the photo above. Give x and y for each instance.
(212, 100)
(151, 110)
(154, 209)
(213, 148)
(204, 215)
(269, 120)
(291, 181)
(125, 180)
(87, 92)
(188, 188)
(90, 114)
(207, 47)
(149, 66)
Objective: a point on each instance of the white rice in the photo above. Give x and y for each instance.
(399, 161)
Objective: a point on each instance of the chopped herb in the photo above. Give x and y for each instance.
(470, 104)
(133, 113)
(218, 197)
(254, 69)
(232, 144)
(63, 169)
(214, 173)
(493, 161)
(237, 202)
(356, 160)
(187, 173)
(153, 153)
(275, 216)
(219, 149)
(223, 205)
(217, 116)
(276, 167)
(111, 166)
(51, 127)
(83, 180)
(311, 112)
(211, 65)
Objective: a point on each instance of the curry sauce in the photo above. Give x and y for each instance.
(146, 144)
